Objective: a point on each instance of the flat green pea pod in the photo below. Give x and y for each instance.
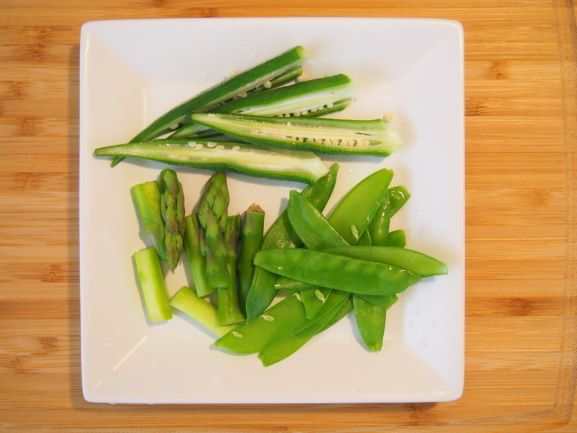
(370, 323)
(317, 234)
(284, 318)
(379, 228)
(336, 271)
(281, 235)
(413, 261)
(258, 77)
(278, 349)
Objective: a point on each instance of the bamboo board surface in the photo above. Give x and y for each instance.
(521, 134)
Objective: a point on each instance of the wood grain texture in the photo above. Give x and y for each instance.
(521, 161)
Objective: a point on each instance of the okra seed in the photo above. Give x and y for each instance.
(174, 126)
(366, 142)
(237, 334)
(211, 144)
(267, 84)
(243, 94)
(330, 105)
(268, 317)
(236, 147)
(297, 114)
(220, 147)
(320, 295)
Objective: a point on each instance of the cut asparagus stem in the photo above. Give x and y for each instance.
(228, 308)
(308, 99)
(360, 137)
(229, 156)
(199, 310)
(258, 77)
(195, 260)
(251, 240)
(146, 198)
(151, 282)
(213, 216)
(172, 211)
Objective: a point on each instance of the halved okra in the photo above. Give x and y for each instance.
(310, 98)
(364, 137)
(228, 156)
(276, 71)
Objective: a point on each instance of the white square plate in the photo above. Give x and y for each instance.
(133, 71)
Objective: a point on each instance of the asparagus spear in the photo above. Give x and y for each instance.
(146, 197)
(213, 215)
(251, 240)
(195, 260)
(151, 282)
(228, 310)
(172, 211)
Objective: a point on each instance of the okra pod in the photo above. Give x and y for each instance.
(224, 155)
(338, 136)
(259, 76)
(310, 98)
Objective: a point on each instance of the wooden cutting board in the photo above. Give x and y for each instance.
(521, 117)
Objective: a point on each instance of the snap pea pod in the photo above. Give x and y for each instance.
(413, 261)
(308, 98)
(278, 349)
(370, 320)
(199, 310)
(365, 239)
(151, 283)
(385, 302)
(316, 233)
(394, 201)
(194, 259)
(281, 235)
(251, 240)
(284, 318)
(259, 76)
(228, 306)
(397, 238)
(337, 136)
(225, 155)
(146, 198)
(336, 271)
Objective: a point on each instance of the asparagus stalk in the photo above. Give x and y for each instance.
(251, 240)
(172, 211)
(146, 198)
(151, 282)
(195, 260)
(228, 311)
(213, 215)
(199, 310)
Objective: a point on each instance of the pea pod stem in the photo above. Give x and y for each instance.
(254, 78)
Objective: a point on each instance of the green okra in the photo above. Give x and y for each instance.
(251, 240)
(281, 235)
(225, 155)
(195, 260)
(198, 309)
(151, 283)
(172, 212)
(258, 77)
(336, 271)
(310, 98)
(338, 136)
(146, 198)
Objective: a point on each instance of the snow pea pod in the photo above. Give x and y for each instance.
(278, 349)
(370, 323)
(284, 318)
(281, 235)
(336, 271)
(413, 261)
(397, 238)
(379, 228)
